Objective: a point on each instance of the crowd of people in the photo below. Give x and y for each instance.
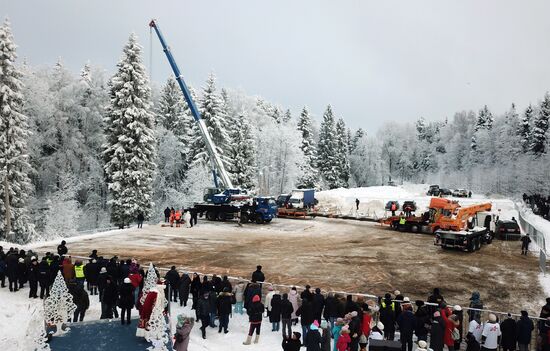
(540, 204)
(328, 321)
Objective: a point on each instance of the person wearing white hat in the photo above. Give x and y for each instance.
(377, 332)
(422, 346)
(126, 300)
(491, 333)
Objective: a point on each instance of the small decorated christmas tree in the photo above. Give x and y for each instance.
(150, 282)
(59, 306)
(157, 327)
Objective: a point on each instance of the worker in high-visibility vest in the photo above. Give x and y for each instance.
(178, 218)
(79, 273)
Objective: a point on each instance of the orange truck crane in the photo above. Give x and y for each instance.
(454, 226)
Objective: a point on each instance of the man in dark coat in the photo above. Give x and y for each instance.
(331, 309)
(525, 240)
(213, 298)
(124, 269)
(251, 290)
(184, 288)
(12, 260)
(255, 315)
(102, 281)
(223, 305)
(351, 305)
(313, 339)
(524, 331)
(194, 214)
(33, 275)
(173, 278)
(307, 294)
(258, 276)
(166, 214)
(80, 299)
(292, 343)
(437, 332)
(92, 276)
(305, 312)
(226, 283)
(354, 330)
(422, 321)
(275, 313)
(3, 271)
(318, 304)
(286, 316)
(407, 324)
(21, 272)
(203, 312)
(108, 299)
(62, 249)
(44, 278)
(508, 328)
(126, 300)
(387, 316)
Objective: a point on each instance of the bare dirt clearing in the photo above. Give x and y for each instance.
(335, 255)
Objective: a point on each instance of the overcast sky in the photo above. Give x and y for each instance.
(374, 61)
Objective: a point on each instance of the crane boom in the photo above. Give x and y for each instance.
(218, 164)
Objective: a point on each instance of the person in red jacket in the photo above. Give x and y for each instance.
(344, 339)
(365, 328)
(450, 324)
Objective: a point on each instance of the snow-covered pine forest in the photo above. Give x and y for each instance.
(78, 145)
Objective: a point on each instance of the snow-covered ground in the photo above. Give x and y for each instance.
(373, 199)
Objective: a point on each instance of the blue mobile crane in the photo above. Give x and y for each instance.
(224, 201)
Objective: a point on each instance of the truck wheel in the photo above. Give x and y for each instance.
(244, 217)
(221, 216)
(471, 246)
(395, 225)
(414, 228)
(211, 215)
(259, 220)
(268, 220)
(478, 244)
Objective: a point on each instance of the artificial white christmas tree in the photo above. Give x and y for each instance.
(150, 282)
(156, 331)
(59, 306)
(36, 336)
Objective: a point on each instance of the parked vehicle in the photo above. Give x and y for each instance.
(445, 192)
(299, 204)
(507, 230)
(389, 205)
(460, 193)
(433, 190)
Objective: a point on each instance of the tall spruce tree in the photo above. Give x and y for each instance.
(308, 173)
(129, 151)
(15, 185)
(524, 131)
(342, 151)
(327, 156)
(243, 167)
(170, 105)
(540, 127)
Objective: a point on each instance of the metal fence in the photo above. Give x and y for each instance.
(537, 236)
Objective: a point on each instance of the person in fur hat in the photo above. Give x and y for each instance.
(344, 339)
(377, 332)
(183, 330)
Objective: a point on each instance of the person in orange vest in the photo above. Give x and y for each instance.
(178, 218)
(172, 217)
(393, 208)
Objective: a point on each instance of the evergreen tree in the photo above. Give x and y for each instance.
(540, 127)
(484, 119)
(327, 157)
(308, 174)
(14, 133)
(170, 105)
(211, 109)
(524, 131)
(277, 115)
(243, 155)
(359, 134)
(130, 148)
(342, 151)
(287, 117)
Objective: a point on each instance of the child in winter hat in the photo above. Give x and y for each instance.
(422, 346)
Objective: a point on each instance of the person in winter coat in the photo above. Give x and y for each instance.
(126, 300)
(239, 297)
(108, 299)
(336, 330)
(62, 249)
(508, 328)
(451, 322)
(268, 298)
(203, 311)
(184, 288)
(187, 219)
(326, 336)
(457, 311)
(21, 273)
(377, 332)
(166, 214)
(102, 282)
(354, 330)
(258, 276)
(307, 294)
(436, 298)
(351, 305)
(213, 299)
(387, 316)
(140, 219)
(365, 327)
(80, 299)
(173, 278)
(224, 309)
(136, 279)
(525, 329)
(255, 314)
(330, 312)
(313, 338)
(275, 312)
(286, 316)
(183, 331)
(343, 340)
(292, 343)
(422, 321)
(471, 343)
(318, 304)
(206, 286)
(437, 332)
(92, 276)
(305, 312)
(293, 298)
(407, 325)
(12, 260)
(491, 334)
(68, 269)
(476, 303)
(33, 275)
(195, 291)
(525, 240)
(251, 290)
(44, 278)
(3, 271)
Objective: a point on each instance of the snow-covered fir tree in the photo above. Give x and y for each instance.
(129, 151)
(59, 306)
(357, 136)
(170, 105)
(243, 153)
(327, 160)
(277, 115)
(211, 109)
(14, 158)
(524, 130)
(342, 153)
(287, 116)
(308, 173)
(540, 127)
